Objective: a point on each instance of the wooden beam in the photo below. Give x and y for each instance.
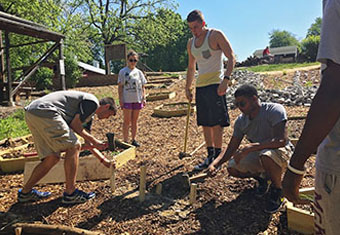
(89, 167)
(52, 229)
(142, 185)
(193, 194)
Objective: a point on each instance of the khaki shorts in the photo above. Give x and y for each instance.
(251, 163)
(51, 135)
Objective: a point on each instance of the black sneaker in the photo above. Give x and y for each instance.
(276, 201)
(263, 186)
(205, 164)
(32, 196)
(135, 143)
(77, 196)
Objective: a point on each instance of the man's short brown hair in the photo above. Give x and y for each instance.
(109, 100)
(195, 15)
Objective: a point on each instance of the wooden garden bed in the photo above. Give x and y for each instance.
(160, 95)
(301, 220)
(89, 167)
(173, 109)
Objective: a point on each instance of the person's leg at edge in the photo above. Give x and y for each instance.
(134, 119)
(217, 133)
(273, 170)
(208, 136)
(127, 113)
(40, 171)
(71, 167)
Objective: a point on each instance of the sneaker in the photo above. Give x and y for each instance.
(262, 186)
(77, 196)
(275, 200)
(135, 143)
(32, 196)
(205, 164)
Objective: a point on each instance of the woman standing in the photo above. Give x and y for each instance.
(131, 92)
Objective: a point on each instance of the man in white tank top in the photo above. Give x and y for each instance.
(206, 49)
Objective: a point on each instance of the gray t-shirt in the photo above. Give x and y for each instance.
(133, 82)
(65, 103)
(261, 128)
(328, 155)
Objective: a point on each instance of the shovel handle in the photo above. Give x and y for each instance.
(187, 127)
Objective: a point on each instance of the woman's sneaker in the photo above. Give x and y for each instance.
(77, 196)
(135, 143)
(32, 196)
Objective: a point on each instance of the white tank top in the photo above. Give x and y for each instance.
(210, 63)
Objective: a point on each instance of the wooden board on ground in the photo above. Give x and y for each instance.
(173, 109)
(298, 219)
(14, 164)
(160, 95)
(89, 167)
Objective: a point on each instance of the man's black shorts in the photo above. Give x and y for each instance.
(212, 109)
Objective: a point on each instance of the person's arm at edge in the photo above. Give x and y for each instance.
(225, 155)
(190, 71)
(77, 126)
(321, 118)
(224, 44)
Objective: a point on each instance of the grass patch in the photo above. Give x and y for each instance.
(278, 67)
(14, 125)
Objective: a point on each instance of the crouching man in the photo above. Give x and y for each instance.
(266, 156)
(53, 121)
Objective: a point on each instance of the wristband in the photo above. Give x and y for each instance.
(294, 170)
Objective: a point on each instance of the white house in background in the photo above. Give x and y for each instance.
(90, 70)
(281, 54)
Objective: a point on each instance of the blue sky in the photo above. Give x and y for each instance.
(247, 23)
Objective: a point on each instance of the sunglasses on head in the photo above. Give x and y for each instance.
(131, 60)
(240, 104)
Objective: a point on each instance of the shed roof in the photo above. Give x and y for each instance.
(21, 26)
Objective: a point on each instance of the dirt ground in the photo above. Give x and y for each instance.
(225, 205)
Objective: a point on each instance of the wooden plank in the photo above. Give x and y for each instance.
(193, 194)
(160, 96)
(159, 112)
(142, 185)
(89, 167)
(300, 220)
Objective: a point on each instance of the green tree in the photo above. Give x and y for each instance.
(163, 36)
(117, 20)
(315, 28)
(309, 47)
(280, 38)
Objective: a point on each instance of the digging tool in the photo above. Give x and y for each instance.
(188, 180)
(110, 139)
(184, 154)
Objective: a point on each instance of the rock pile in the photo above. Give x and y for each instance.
(296, 94)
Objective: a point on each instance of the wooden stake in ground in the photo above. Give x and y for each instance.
(159, 189)
(142, 186)
(193, 193)
(113, 178)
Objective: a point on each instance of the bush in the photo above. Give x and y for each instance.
(309, 47)
(72, 71)
(42, 78)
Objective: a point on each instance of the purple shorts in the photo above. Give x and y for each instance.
(133, 106)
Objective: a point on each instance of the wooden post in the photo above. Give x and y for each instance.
(18, 230)
(113, 179)
(159, 189)
(62, 65)
(8, 68)
(193, 193)
(142, 183)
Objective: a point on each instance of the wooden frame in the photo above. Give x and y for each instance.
(89, 167)
(160, 95)
(173, 113)
(298, 219)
